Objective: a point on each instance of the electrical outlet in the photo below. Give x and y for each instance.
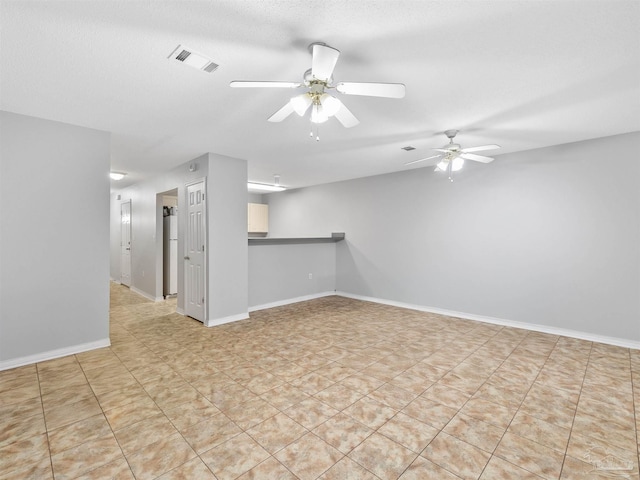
(310, 276)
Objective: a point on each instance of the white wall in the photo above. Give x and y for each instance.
(548, 237)
(54, 264)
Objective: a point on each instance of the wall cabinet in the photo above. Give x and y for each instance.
(258, 216)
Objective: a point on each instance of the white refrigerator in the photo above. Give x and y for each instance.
(170, 255)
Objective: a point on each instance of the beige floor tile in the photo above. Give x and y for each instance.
(362, 383)
(382, 456)
(347, 469)
(20, 394)
(160, 457)
(474, 432)
(276, 432)
(211, 432)
(531, 456)
(251, 413)
(489, 412)
(194, 469)
(499, 469)
(15, 427)
(308, 457)
(540, 431)
(70, 413)
(430, 412)
(338, 396)
(270, 469)
(74, 434)
(343, 432)
(116, 470)
(23, 454)
(143, 433)
(36, 470)
(393, 396)
(310, 413)
(456, 456)
(408, 432)
(423, 469)
(234, 457)
(85, 457)
(132, 412)
(370, 412)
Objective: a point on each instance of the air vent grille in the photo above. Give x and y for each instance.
(408, 148)
(188, 56)
(211, 67)
(183, 55)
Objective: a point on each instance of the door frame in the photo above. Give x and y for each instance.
(185, 247)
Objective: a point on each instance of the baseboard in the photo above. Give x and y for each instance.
(146, 295)
(180, 310)
(289, 301)
(52, 354)
(212, 322)
(565, 332)
(115, 281)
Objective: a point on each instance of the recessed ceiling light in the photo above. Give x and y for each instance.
(194, 59)
(117, 175)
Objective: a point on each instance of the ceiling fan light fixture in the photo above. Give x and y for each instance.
(318, 114)
(442, 165)
(330, 104)
(456, 164)
(301, 103)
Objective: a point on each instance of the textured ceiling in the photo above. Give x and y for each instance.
(522, 74)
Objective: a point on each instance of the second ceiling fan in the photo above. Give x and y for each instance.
(319, 80)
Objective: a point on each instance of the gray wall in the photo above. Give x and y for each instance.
(548, 237)
(227, 254)
(281, 272)
(54, 250)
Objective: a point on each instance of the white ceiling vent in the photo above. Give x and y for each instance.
(194, 59)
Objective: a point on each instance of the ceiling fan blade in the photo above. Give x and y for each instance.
(423, 159)
(249, 84)
(388, 90)
(323, 61)
(345, 117)
(479, 149)
(443, 150)
(281, 114)
(476, 158)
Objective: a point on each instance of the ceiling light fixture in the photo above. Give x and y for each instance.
(116, 175)
(265, 187)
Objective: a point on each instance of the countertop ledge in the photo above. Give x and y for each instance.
(335, 237)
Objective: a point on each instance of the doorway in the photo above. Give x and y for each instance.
(170, 243)
(125, 243)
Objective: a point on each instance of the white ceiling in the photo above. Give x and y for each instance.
(522, 74)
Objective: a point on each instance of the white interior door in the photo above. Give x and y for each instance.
(194, 265)
(125, 243)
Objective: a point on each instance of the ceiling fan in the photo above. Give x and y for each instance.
(318, 80)
(452, 156)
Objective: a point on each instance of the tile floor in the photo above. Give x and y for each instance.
(332, 388)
